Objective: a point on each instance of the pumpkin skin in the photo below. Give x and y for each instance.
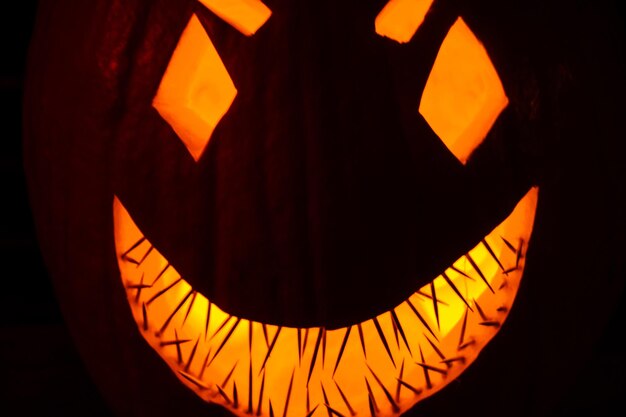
(87, 195)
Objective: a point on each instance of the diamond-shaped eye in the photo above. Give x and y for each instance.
(463, 96)
(196, 90)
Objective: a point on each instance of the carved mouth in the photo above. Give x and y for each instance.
(380, 366)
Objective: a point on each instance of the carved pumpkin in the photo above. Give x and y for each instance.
(318, 208)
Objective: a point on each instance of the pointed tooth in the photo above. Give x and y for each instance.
(383, 339)
(468, 256)
(392, 402)
(270, 348)
(342, 348)
(226, 338)
(421, 319)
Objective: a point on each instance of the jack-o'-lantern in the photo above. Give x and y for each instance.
(306, 208)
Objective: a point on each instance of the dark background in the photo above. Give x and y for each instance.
(40, 371)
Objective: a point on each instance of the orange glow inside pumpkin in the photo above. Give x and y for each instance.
(400, 19)
(196, 90)
(463, 95)
(409, 352)
(383, 365)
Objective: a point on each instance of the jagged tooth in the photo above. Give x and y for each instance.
(193, 300)
(399, 378)
(315, 351)
(221, 326)
(345, 399)
(223, 394)
(430, 297)
(193, 380)
(325, 399)
(426, 374)
(267, 342)
(144, 313)
(229, 375)
(308, 400)
(270, 348)
(392, 402)
(226, 338)
(145, 255)
(360, 328)
(509, 245)
(260, 401)
(421, 319)
(466, 344)
(306, 339)
(405, 384)
(398, 325)
(160, 274)
(468, 256)
(395, 331)
(458, 271)
(493, 254)
(191, 355)
(299, 346)
(323, 348)
(271, 409)
(463, 328)
(519, 253)
(286, 407)
(133, 247)
(383, 339)
(208, 320)
(250, 332)
(179, 352)
(482, 314)
(235, 396)
(139, 288)
(371, 395)
(178, 307)
(432, 368)
(451, 361)
(163, 291)
(435, 348)
(372, 405)
(250, 390)
(342, 348)
(455, 289)
(435, 306)
(332, 411)
(205, 364)
(174, 342)
(490, 323)
(311, 412)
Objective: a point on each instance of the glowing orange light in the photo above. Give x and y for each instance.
(400, 19)
(463, 95)
(393, 360)
(196, 90)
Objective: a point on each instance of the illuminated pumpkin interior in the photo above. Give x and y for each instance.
(399, 19)
(382, 366)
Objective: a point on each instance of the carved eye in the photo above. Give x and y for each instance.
(463, 95)
(196, 90)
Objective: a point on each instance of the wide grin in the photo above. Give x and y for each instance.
(378, 367)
